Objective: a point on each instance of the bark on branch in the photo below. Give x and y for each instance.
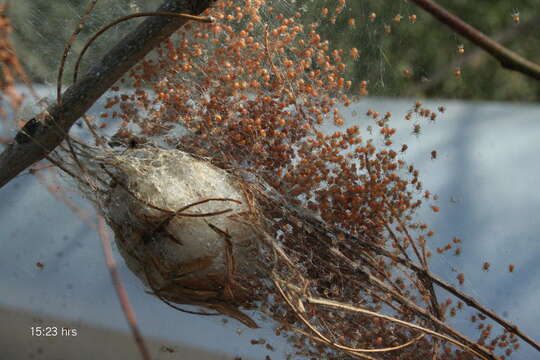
(43, 134)
(476, 57)
(505, 56)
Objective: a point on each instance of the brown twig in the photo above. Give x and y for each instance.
(68, 46)
(230, 265)
(440, 324)
(419, 311)
(60, 195)
(180, 212)
(324, 231)
(336, 304)
(356, 351)
(505, 56)
(120, 290)
(470, 301)
(79, 97)
(157, 293)
(128, 17)
(320, 231)
(474, 57)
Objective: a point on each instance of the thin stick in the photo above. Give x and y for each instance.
(339, 305)
(506, 57)
(314, 337)
(333, 343)
(120, 290)
(156, 292)
(61, 196)
(321, 230)
(128, 17)
(79, 97)
(475, 56)
(470, 301)
(230, 264)
(68, 46)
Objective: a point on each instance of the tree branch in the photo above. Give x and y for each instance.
(476, 56)
(121, 291)
(505, 56)
(43, 134)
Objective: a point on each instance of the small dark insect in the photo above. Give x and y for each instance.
(126, 140)
(168, 349)
(30, 128)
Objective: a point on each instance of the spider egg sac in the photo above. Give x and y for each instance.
(185, 227)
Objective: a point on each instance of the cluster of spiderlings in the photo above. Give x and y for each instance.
(506, 341)
(251, 91)
(239, 86)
